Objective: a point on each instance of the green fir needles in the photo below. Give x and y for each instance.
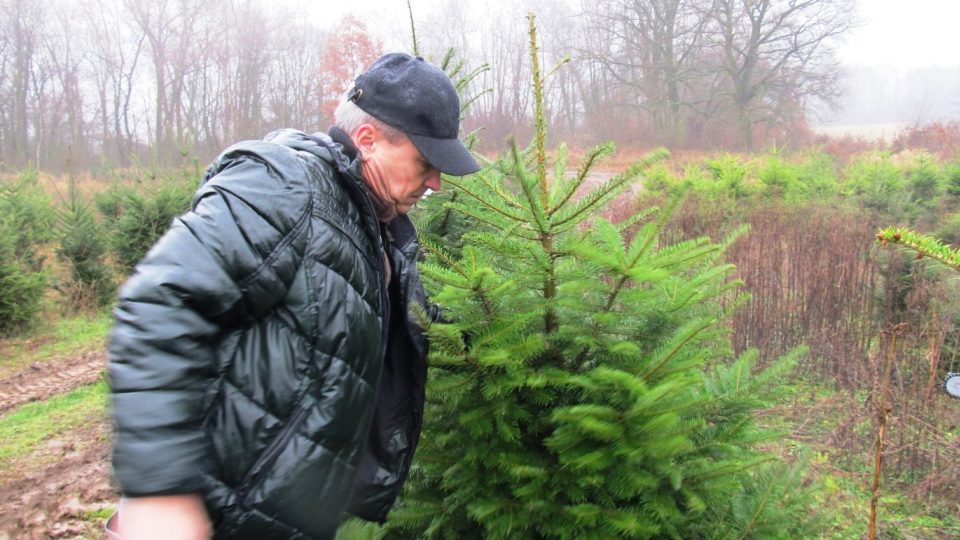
(922, 244)
(583, 385)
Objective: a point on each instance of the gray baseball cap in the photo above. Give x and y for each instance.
(416, 97)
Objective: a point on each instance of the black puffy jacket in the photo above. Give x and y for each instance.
(249, 360)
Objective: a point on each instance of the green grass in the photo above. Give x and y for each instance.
(55, 338)
(79, 331)
(846, 501)
(98, 516)
(28, 426)
(845, 478)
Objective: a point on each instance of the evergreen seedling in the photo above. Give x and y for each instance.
(83, 246)
(138, 214)
(26, 218)
(435, 221)
(584, 386)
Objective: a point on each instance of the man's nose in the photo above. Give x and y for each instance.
(433, 180)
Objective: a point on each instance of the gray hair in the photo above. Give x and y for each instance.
(349, 118)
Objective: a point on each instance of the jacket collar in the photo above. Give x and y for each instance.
(347, 147)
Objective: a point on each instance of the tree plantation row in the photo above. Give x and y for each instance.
(807, 262)
(880, 324)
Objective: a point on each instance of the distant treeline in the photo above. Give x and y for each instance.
(117, 82)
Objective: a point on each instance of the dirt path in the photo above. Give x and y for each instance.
(61, 490)
(42, 380)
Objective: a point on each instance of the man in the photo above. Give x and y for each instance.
(266, 373)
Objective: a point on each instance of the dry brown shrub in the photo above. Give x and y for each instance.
(940, 138)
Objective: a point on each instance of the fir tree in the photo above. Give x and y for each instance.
(585, 386)
(26, 218)
(435, 220)
(83, 246)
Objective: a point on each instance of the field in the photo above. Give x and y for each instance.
(54, 468)
(816, 276)
(871, 132)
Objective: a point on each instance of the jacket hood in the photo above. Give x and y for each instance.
(319, 144)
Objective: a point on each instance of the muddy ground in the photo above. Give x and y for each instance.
(63, 489)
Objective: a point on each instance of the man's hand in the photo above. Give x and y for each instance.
(180, 517)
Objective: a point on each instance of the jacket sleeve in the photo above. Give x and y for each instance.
(229, 260)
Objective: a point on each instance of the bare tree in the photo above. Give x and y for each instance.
(651, 48)
(504, 109)
(6, 110)
(248, 41)
(296, 84)
(605, 115)
(115, 52)
(776, 55)
(227, 35)
(450, 25)
(561, 32)
(21, 28)
(64, 138)
(171, 29)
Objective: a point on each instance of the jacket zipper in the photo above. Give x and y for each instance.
(374, 225)
(270, 454)
(353, 182)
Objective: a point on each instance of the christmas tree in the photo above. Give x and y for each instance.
(584, 385)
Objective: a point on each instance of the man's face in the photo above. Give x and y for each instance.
(398, 173)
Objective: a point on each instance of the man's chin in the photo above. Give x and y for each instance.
(403, 208)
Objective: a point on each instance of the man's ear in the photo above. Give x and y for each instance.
(365, 139)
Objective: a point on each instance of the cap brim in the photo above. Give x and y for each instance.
(448, 155)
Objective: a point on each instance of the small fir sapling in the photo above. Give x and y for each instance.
(585, 386)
